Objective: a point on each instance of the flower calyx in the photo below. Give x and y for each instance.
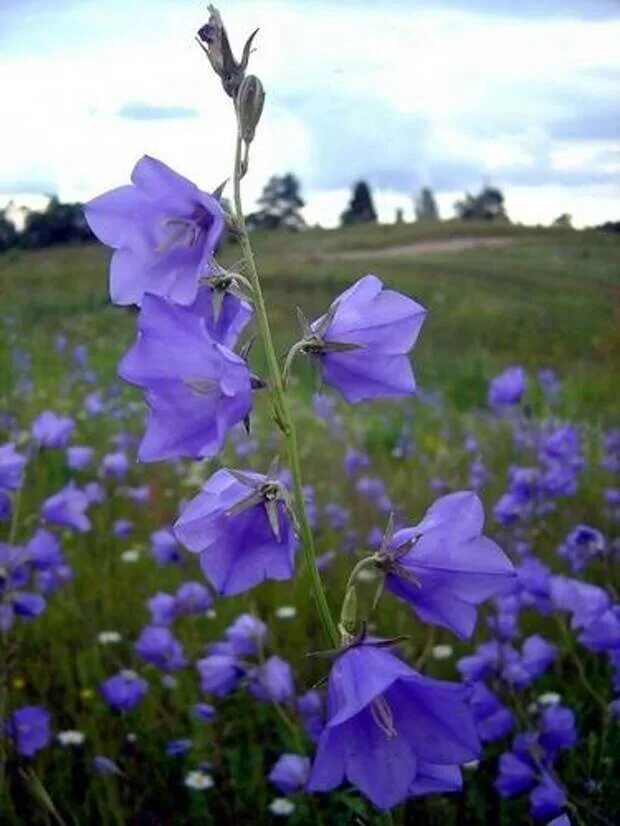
(266, 491)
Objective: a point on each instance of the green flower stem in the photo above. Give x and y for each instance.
(281, 410)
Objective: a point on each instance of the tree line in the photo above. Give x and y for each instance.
(279, 207)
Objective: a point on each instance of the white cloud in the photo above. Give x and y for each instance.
(405, 94)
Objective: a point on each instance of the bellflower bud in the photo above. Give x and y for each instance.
(213, 40)
(250, 102)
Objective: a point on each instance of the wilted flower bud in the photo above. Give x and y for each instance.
(213, 40)
(250, 101)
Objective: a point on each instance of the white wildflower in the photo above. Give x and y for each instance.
(198, 780)
(280, 806)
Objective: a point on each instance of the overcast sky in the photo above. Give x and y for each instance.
(443, 93)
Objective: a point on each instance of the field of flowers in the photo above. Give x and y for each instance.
(247, 581)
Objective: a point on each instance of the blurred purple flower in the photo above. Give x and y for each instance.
(12, 466)
(219, 674)
(163, 608)
(193, 598)
(164, 547)
(79, 457)
(115, 465)
(272, 681)
(124, 690)
(156, 645)
(507, 388)
(290, 773)
(29, 726)
(67, 509)
(51, 430)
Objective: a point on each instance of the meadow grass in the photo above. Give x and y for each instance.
(549, 299)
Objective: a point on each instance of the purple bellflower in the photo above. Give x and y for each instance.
(195, 387)
(444, 567)
(67, 509)
(240, 526)
(29, 726)
(290, 773)
(363, 341)
(508, 388)
(124, 690)
(12, 466)
(164, 231)
(51, 430)
(79, 457)
(383, 718)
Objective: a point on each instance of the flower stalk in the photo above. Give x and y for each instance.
(281, 411)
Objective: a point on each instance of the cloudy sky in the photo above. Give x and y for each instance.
(405, 93)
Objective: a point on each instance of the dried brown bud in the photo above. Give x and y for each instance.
(213, 40)
(250, 101)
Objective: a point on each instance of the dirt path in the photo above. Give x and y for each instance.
(422, 247)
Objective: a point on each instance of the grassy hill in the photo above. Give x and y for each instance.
(549, 297)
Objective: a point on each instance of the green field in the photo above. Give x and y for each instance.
(549, 298)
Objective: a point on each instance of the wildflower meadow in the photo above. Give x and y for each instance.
(292, 531)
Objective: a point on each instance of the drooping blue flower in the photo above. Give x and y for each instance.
(310, 708)
(163, 608)
(517, 774)
(382, 718)
(29, 726)
(67, 509)
(192, 598)
(450, 567)
(51, 430)
(557, 730)
(79, 457)
(582, 545)
(363, 341)
(272, 681)
(12, 466)
(196, 388)
(240, 527)
(156, 645)
(507, 388)
(547, 799)
(164, 547)
(493, 719)
(115, 464)
(219, 674)
(290, 773)
(124, 690)
(164, 231)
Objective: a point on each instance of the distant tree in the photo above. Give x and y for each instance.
(58, 224)
(361, 208)
(565, 221)
(609, 226)
(488, 205)
(426, 206)
(280, 204)
(8, 233)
